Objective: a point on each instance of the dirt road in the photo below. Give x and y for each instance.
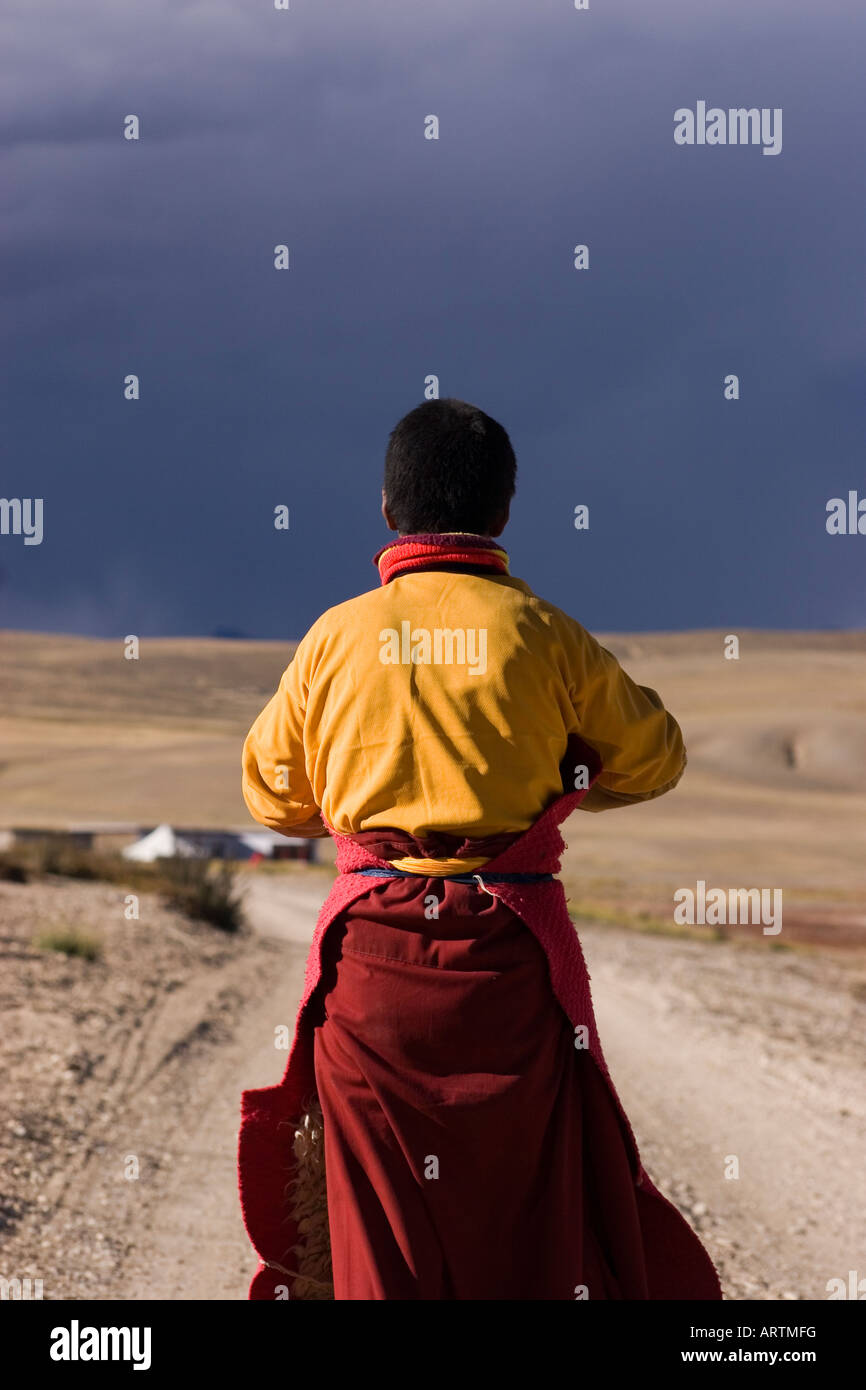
(726, 1059)
(195, 1245)
(740, 1069)
(121, 1080)
(736, 1061)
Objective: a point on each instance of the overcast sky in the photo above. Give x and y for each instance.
(411, 257)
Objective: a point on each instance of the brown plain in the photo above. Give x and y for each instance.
(774, 794)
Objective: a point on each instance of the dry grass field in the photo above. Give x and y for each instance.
(774, 794)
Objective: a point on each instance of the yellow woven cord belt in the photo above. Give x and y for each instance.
(438, 868)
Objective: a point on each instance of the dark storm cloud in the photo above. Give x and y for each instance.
(413, 256)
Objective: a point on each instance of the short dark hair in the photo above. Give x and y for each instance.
(448, 467)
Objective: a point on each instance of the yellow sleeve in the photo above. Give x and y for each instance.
(640, 744)
(275, 785)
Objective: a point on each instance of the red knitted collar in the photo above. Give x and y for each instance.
(422, 551)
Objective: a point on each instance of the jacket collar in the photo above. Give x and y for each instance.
(435, 550)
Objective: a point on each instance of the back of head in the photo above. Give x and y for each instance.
(449, 467)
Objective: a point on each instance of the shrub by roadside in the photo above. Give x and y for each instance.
(205, 893)
(70, 941)
(203, 890)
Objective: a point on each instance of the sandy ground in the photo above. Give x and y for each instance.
(719, 1051)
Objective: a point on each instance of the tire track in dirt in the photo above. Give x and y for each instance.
(193, 1244)
(134, 1065)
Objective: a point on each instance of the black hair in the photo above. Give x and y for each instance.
(448, 467)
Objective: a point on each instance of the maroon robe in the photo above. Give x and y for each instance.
(472, 1150)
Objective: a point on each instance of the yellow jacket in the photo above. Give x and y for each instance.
(443, 702)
